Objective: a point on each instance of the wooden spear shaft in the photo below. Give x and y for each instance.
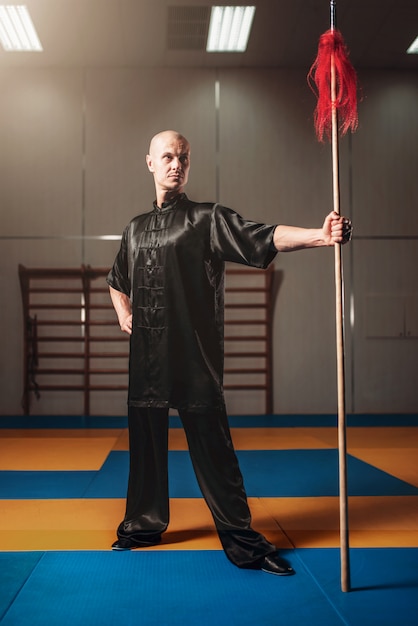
(339, 302)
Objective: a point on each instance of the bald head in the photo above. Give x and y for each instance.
(169, 162)
(167, 137)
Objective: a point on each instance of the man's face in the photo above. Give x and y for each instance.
(169, 162)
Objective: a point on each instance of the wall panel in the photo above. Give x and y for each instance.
(386, 348)
(41, 154)
(385, 156)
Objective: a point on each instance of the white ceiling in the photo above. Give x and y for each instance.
(143, 33)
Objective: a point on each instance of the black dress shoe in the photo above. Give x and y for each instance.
(127, 543)
(123, 544)
(274, 564)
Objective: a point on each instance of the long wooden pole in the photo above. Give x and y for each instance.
(339, 302)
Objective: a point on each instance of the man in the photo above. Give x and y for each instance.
(166, 286)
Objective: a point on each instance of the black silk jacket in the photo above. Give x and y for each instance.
(171, 265)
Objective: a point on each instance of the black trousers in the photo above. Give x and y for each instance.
(217, 471)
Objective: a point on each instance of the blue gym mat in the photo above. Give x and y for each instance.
(267, 473)
(185, 588)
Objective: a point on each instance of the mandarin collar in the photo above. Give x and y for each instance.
(168, 206)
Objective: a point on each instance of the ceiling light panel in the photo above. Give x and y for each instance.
(17, 32)
(229, 28)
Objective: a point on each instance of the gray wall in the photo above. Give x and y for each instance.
(72, 169)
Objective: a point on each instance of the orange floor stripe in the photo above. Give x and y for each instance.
(400, 462)
(58, 453)
(258, 439)
(89, 524)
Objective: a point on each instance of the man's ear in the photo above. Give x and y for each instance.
(149, 163)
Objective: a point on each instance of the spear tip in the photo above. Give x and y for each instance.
(333, 10)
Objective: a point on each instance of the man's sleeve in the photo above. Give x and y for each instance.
(118, 277)
(236, 239)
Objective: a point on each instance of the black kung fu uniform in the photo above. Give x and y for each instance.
(171, 265)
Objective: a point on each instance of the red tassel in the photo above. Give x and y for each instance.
(333, 49)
